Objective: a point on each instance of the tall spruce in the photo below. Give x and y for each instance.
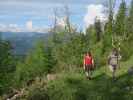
(36, 63)
(7, 65)
(129, 24)
(91, 38)
(108, 29)
(6, 58)
(119, 27)
(38, 59)
(98, 29)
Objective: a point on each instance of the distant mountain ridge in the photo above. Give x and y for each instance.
(22, 42)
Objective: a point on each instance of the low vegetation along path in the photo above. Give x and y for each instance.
(75, 86)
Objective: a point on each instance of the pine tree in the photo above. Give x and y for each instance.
(108, 29)
(98, 29)
(120, 33)
(50, 59)
(37, 63)
(7, 65)
(37, 59)
(129, 24)
(119, 27)
(6, 58)
(91, 35)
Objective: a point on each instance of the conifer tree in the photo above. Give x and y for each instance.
(37, 59)
(108, 29)
(119, 27)
(7, 65)
(129, 24)
(6, 58)
(98, 29)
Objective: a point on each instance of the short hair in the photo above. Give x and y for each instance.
(115, 51)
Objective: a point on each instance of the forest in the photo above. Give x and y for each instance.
(53, 70)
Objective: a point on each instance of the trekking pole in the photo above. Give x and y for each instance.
(119, 56)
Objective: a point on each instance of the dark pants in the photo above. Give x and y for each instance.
(88, 70)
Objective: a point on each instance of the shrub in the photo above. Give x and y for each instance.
(37, 94)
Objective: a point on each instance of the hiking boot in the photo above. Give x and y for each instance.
(89, 78)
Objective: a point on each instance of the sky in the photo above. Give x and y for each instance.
(38, 15)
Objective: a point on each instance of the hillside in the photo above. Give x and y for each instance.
(22, 42)
(75, 86)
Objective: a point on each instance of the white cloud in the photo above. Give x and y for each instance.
(13, 28)
(94, 11)
(2, 27)
(13, 25)
(61, 21)
(10, 27)
(41, 29)
(29, 25)
(18, 28)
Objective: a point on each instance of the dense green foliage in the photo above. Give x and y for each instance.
(38, 62)
(74, 86)
(7, 65)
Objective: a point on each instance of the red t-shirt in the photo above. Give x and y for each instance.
(88, 60)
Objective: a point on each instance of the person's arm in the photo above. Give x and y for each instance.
(119, 58)
(84, 63)
(109, 58)
(93, 63)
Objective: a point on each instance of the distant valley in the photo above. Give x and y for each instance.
(22, 42)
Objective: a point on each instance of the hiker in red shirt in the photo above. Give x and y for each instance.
(88, 64)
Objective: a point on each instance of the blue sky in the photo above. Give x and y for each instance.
(38, 14)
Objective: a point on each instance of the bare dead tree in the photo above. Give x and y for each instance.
(55, 20)
(110, 5)
(67, 20)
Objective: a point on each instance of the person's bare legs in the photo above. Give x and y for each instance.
(87, 74)
(114, 73)
(90, 74)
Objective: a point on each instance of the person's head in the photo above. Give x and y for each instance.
(88, 53)
(115, 51)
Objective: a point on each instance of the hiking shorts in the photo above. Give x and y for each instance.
(88, 67)
(112, 67)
